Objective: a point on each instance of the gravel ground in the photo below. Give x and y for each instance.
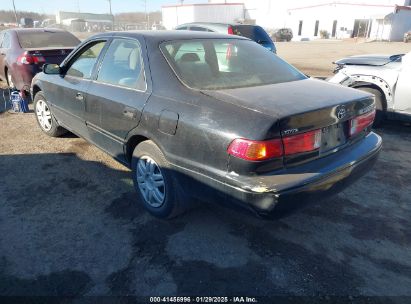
(70, 225)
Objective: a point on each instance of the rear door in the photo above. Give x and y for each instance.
(68, 93)
(117, 96)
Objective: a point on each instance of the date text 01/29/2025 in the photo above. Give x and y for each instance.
(203, 300)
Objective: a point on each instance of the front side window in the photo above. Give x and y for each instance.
(82, 66)
(213, 64)
(123, 65)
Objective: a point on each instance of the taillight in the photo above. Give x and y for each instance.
(255, 150)
(26, 58)
(230, 31)
(263, 150)
(359, 123)
(300, 143)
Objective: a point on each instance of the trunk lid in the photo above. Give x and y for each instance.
(301, 106)
(373, 60)
(304, 104)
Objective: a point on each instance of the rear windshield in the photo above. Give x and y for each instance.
(31, 39)
(253, 32)
(214, 64)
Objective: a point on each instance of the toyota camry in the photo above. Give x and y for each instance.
(209, 117)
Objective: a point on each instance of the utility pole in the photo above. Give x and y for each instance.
(15, 13)
(109, 3)
(146, 13)
(111, 14)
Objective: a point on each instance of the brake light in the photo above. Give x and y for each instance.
(255, 150)
(300, 143)
(361, 122)
(230, 31)
(26, 58)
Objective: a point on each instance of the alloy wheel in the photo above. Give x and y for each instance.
(150, 181)
(43, 115)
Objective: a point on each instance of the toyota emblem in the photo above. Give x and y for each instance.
(341, 112)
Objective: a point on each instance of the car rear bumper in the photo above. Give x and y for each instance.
(278, 194)
(23, 75)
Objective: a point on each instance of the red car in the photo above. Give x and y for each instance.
(23, 52)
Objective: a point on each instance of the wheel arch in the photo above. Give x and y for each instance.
(365, 84)
(132, 143)
(35, 90)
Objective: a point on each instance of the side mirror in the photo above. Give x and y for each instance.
(51, 68)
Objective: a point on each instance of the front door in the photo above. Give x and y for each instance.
(118, 94)
(69, 97)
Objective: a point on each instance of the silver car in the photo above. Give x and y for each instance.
(388, 77)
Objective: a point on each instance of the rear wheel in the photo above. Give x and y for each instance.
(45, 117)
(379, 104)
(155, 182)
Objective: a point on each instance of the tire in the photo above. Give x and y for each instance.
(379, 104)
(45, 118)
(164, 201)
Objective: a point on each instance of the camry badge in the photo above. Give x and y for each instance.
(341, 112)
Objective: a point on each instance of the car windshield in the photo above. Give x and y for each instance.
(214, 64)
(42, 39)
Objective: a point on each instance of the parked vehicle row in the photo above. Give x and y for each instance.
(209, 116)
(253, 32)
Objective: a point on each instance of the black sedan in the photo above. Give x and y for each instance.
(209, 117)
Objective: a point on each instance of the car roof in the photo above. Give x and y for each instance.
(165, 35)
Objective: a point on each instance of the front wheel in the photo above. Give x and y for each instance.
(45, 117)
(155, 182)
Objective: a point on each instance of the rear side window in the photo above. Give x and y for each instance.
(253, 32)
(32, 39)
(82, 66)
(123, 65)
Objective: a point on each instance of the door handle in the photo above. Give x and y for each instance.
(79, 96)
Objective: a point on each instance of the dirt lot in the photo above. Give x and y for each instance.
(70, 225)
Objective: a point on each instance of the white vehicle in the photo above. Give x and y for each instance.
(387, 77)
